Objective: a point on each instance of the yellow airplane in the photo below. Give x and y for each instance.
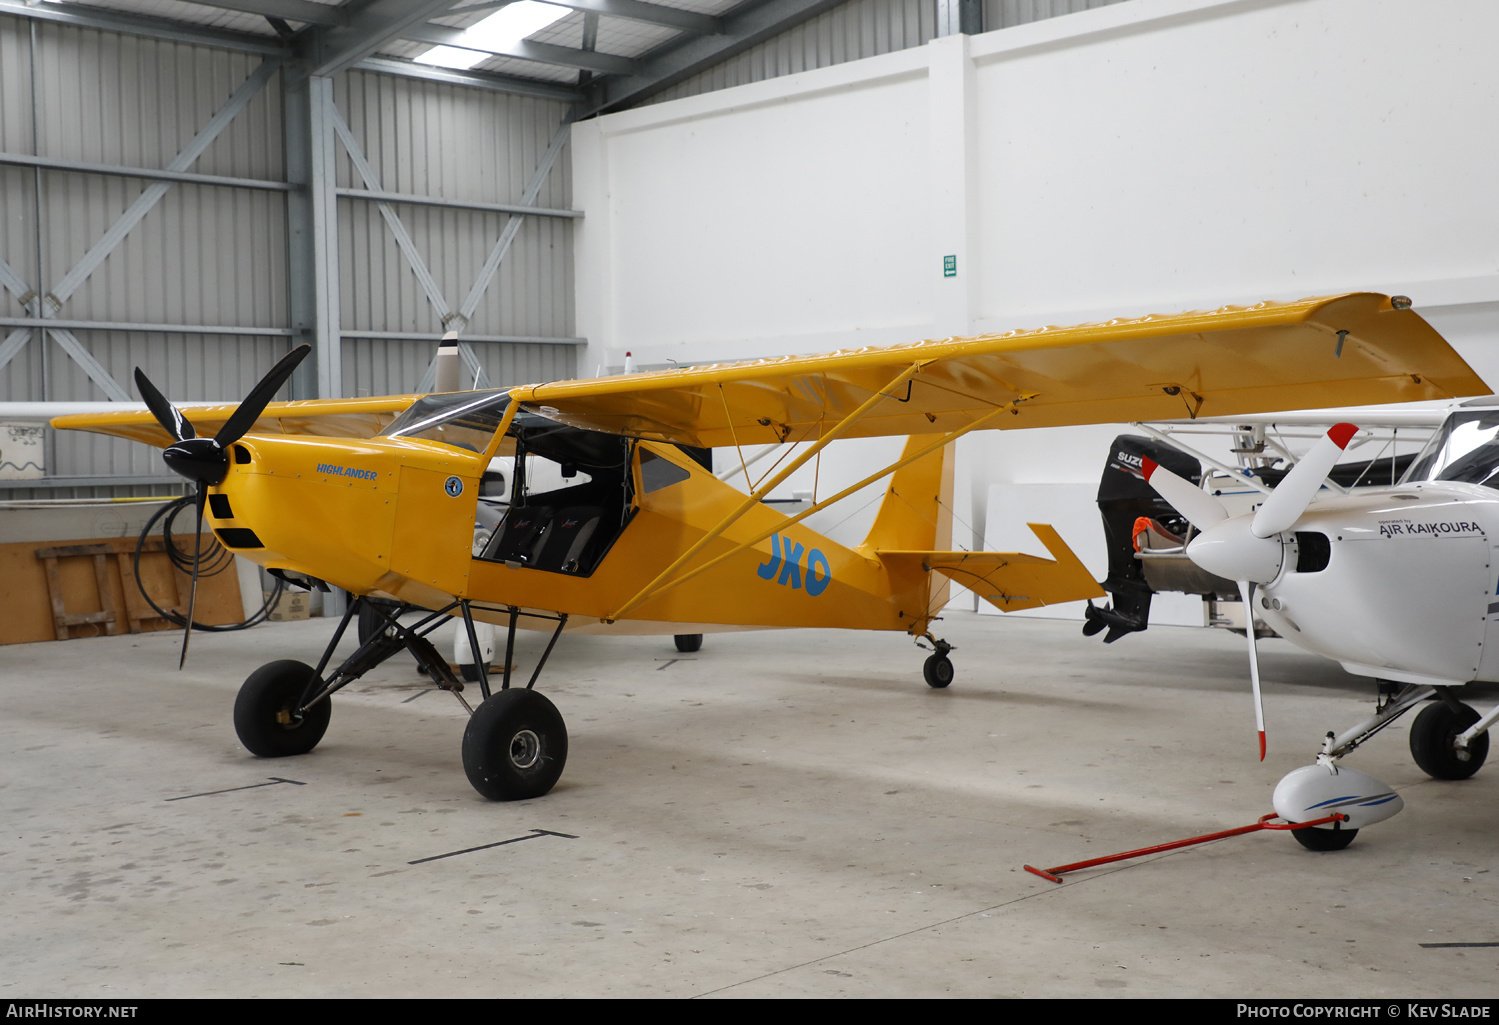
(611, 521)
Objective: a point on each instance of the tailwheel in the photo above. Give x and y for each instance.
(937, 670)
(1315, 838)
(266, 716)
(1432, 737)
(688, 643)
(515, 746)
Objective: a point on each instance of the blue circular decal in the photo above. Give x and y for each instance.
(453, 486)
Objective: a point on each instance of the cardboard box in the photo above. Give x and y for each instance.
(291, 605)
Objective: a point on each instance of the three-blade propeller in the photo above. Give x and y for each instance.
(1248, 549)
(206, 460)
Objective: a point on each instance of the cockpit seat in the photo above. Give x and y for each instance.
(523, 535)
(566, 547)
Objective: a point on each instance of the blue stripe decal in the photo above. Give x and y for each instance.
(1336, 800)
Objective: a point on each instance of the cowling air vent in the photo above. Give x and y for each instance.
(1313, 551)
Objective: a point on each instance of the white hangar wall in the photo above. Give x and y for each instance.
(1157, 155)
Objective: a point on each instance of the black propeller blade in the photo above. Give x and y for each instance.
(205, 461)
(166, 414)
(192, 594)
(248, 411)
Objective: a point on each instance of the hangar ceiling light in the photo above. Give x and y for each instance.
(501, 30)
(598, 55)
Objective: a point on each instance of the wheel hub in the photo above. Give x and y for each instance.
(525, 749)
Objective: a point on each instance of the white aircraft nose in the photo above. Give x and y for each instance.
(1231, 550)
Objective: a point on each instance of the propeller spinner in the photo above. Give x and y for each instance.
(205, 461)
(1248, 549)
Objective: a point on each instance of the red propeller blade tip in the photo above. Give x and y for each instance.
(1147, 466)
(1262, 745)
(1341, 434)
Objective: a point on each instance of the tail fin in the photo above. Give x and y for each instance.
(916, 513)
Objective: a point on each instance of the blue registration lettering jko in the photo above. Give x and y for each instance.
(786, 556)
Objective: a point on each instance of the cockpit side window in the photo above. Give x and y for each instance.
(657, 473)
(1465, 449)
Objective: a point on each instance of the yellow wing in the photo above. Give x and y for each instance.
(1354, 349)
(325, 418)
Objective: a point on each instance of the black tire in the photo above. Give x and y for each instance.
(1316, 838)
(370, 619)
(515, 746)
(1432, 735)
(689, 643)
(938, 671)
(264, 711)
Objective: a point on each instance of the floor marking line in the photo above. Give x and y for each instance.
(209, 793)
(947, 921)
(535, 834)
(1430, 946)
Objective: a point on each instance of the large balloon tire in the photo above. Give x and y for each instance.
(688, 643)
(515, 746)
(1432, 736)
(265, 716)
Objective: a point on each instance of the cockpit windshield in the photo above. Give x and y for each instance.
(1465, 449)
(466, 420)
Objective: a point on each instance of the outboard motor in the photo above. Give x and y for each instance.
(1124, 498)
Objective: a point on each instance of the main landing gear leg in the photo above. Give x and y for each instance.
(515, 745)
(937, 670)
(1448, 740)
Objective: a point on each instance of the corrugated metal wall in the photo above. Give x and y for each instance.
(858, 29)
(210, 255)
(428, 138)
(203, 255)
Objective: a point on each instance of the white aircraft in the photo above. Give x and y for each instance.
(1321, 573)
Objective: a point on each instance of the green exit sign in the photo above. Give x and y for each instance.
(950, 266)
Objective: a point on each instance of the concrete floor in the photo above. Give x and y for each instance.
(784, 814)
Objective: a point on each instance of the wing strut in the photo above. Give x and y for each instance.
(651, 590)
(750, 502)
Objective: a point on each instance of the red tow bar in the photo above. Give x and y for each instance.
(1054, 874)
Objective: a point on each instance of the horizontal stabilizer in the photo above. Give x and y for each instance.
(1011, 581)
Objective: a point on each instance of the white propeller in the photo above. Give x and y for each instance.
(449, 373)
(1291, 497)
(1244, 549)
(1199, 507)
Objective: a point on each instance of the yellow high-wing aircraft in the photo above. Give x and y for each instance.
(610, 520)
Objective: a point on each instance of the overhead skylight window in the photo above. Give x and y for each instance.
(501, 30)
